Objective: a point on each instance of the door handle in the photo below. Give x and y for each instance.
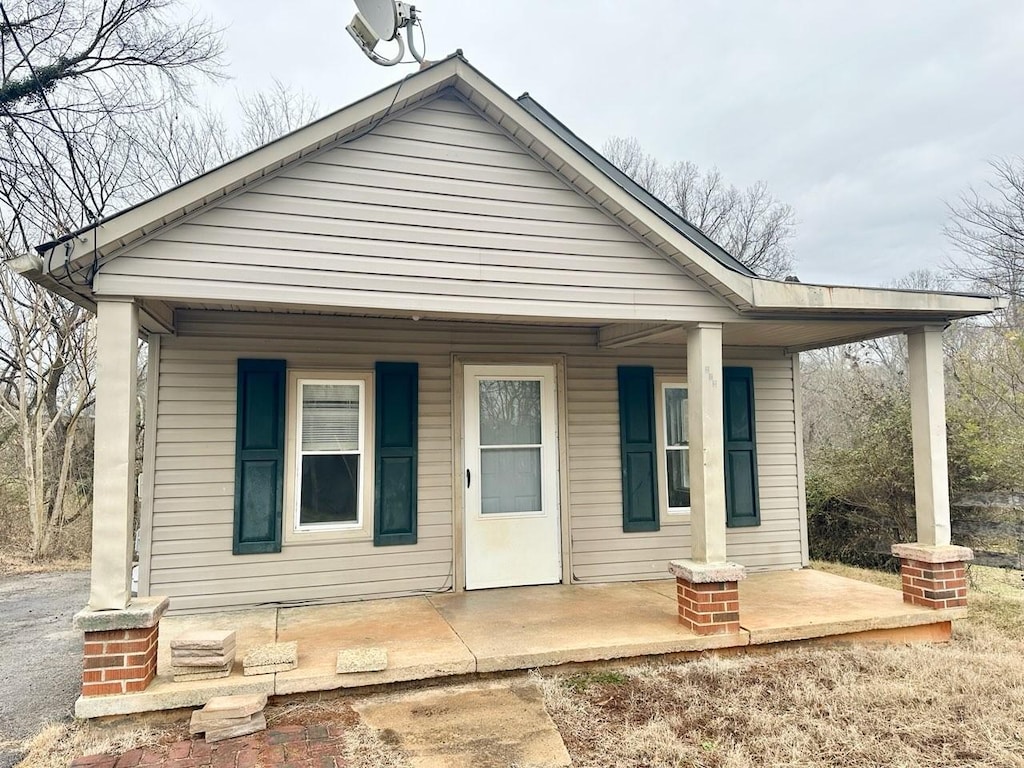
(468, 477)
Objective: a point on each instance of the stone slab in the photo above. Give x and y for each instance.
(180, 660)
(362, 660)
(204, 639)
(200, 652)
(141, 613)
(706, 573)
(239, 705)
(271, 654)
(205, 674)
(266, 669)
(198, 725)
(480, 725)
(929, 554)
(253, 627)
(257, 722)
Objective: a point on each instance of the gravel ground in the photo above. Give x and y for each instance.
(40, 653)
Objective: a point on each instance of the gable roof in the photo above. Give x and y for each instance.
(66, 266)
(680, 224)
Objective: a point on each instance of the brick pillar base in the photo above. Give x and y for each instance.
(934, 577)
(708, 596)
(120, 647)
(119, 660)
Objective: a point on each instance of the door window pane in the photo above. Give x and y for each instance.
(510, 480)
(509, 412)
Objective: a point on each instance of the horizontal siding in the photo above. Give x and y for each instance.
(601, 551)
(435, 210)
(191, 558)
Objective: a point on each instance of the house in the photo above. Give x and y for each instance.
(433, 342)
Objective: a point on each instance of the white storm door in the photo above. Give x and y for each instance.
(512, 528)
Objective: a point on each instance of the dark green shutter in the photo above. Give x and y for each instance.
(639, 449)
(259, 456)
(741, 501)
(394, 479)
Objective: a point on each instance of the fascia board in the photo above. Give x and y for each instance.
(772, 296)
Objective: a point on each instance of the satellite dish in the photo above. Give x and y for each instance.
(381, 16)
(378, 20)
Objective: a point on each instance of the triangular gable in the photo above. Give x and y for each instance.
(436, 209)
(143, 221)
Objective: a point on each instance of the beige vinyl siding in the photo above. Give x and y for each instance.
(191, 558)
(434, 210)
(602, 552)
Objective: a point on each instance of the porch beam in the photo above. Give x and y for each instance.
(707, 442)
(928, 425)
(117, 338)
(618, 335)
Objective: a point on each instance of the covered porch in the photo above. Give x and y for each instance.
(443, 636)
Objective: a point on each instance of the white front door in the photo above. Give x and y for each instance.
(512, 526)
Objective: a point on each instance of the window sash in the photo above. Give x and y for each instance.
(342, 405)
(675, 438)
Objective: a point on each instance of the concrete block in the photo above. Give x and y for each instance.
(266, 669)
(924, 553)
(257, 722)
(204, 639)
(271, 654)
(362, 660)
(142, 612)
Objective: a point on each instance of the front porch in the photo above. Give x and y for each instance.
(490, 631)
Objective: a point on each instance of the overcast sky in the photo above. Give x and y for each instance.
(866, 116)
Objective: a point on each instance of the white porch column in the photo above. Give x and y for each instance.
(928, 424)
(707, 442)
(117, 338)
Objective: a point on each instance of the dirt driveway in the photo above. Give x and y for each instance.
(40, 653)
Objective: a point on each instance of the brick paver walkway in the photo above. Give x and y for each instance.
(288, 746)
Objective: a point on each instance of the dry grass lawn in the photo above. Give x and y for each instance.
(11, 564)
(956, 704)
(950, 705)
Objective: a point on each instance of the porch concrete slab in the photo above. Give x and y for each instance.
(419, 643)
(252, 628)
(528, 627)
(800, 605)
(479, 725)
(164, 693)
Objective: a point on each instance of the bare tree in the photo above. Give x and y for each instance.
(74, 77)
(750, 223)
(987, 229)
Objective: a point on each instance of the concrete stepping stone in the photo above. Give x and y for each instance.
(273, 657)
(205, 639)
(224, 717)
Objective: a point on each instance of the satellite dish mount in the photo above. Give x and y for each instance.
(382, 20)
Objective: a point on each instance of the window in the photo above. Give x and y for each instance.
(675, 438)
(329, 463)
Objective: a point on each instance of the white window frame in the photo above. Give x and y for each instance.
(362, 528)
(668, 514)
